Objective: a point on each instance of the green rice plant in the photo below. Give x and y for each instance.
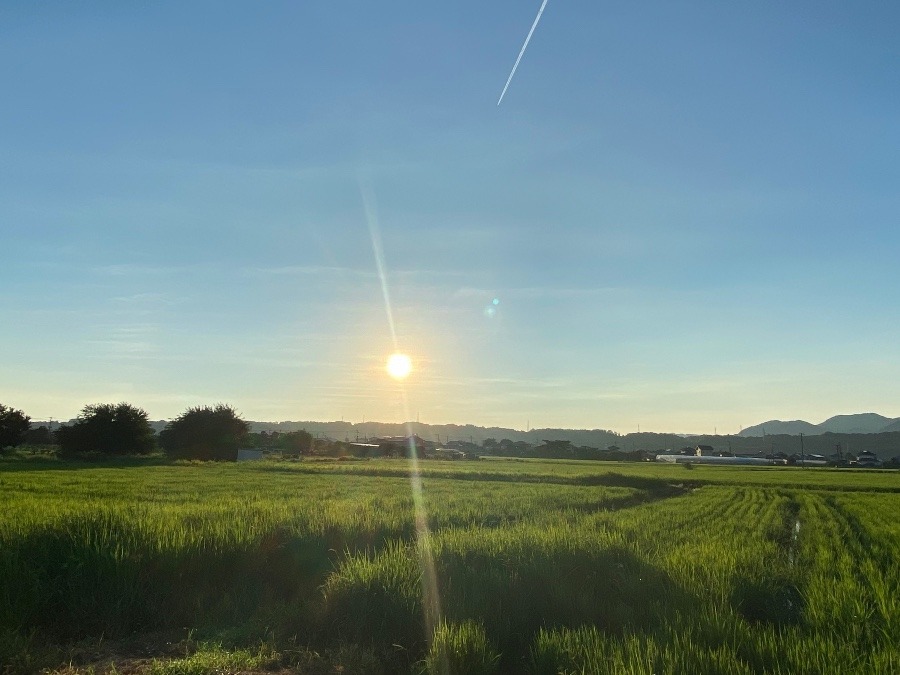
(521, 578)
(853, 577)
(23, 653)
(461, 649)
(376, 599)
(514, 580)
(634, 569)
(588, 650)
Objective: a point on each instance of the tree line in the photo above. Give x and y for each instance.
(217, 432)
(115, 429)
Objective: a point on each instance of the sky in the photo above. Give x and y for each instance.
(683, 216)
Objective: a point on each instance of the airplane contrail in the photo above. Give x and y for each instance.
(522, 51)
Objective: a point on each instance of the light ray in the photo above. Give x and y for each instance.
(430, 594)
(522, 51)
(370, 206)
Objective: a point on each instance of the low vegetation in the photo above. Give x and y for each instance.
(491, 566)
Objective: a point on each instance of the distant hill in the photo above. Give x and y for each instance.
(885, 443)
(777, 427)
(863, 423)
(441, 433)
(860, 423)
(867, 429)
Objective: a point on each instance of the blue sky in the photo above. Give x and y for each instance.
(687, 211)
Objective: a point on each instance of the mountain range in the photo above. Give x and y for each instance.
(860, 423)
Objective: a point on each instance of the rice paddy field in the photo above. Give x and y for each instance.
(490, 566)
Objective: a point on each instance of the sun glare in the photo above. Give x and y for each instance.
(399, 366)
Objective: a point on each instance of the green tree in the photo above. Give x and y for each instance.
(39, 436)
(295, 442)
(14, 424)
(108, 428)
(204, 432)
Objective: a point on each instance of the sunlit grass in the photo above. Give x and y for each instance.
(213, 658)
(540, 566)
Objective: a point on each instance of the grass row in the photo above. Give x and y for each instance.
(507, 567)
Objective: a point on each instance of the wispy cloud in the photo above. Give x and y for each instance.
(400, 275)
(148, 299)
(306, 270)
(124, 347)
(133, 341)
(127, 269)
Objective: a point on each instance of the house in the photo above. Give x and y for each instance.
(867, 460)
(465, 446)
(249, 454)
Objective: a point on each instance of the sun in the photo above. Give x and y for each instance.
(399, 366)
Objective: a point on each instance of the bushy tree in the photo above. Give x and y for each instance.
(205, 432)
(14, 424)
(108, 428)
(39, 436)
(295, 442)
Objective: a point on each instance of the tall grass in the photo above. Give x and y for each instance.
(541, 567)
(461, 649)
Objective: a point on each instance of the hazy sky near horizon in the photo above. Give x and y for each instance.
(687, 212)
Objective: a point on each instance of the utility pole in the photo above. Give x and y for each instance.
(802, 454)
